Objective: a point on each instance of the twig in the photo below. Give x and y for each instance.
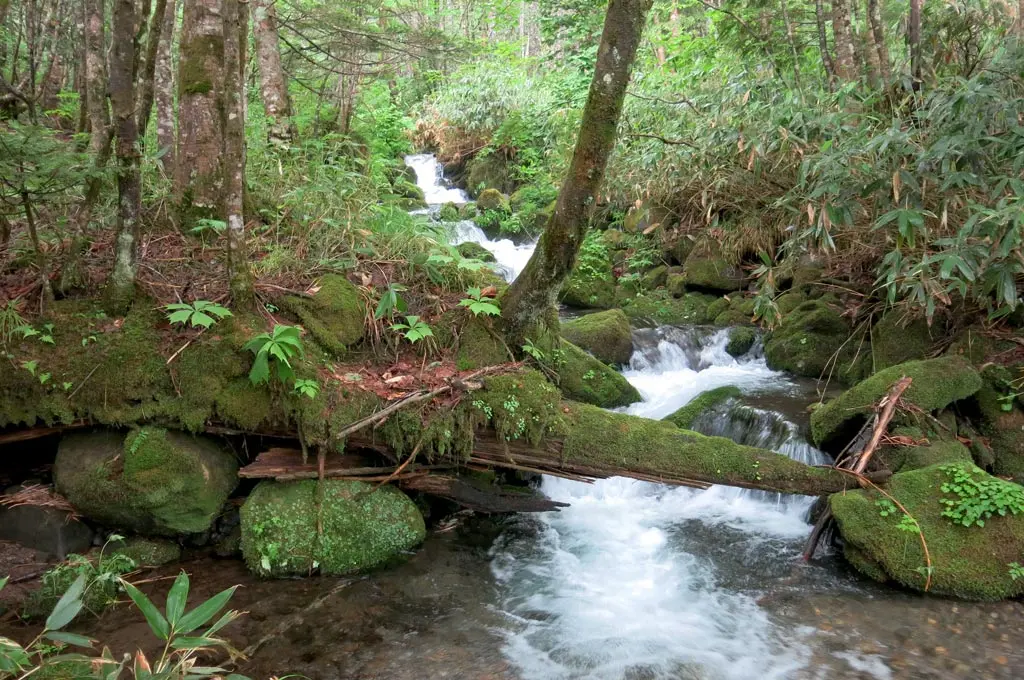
(673, 142)
(75, 391)
(175, 355)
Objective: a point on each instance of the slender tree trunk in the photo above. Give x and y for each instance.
(199, 180)
(148, 71)
(129, 181)
(791, 38)
(914, 41)
(878, 38)
(868, 49)
(533, 295)
(273, 84)
(845, 56)
(826, 55)
(240, 275)
(163, 84)
(96, 77)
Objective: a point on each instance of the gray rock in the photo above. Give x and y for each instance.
(47, 530)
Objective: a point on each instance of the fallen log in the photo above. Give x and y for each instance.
(489, 499)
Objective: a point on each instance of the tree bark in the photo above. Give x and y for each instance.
(914, 41)
(129, 189)
(241, 283)
(148, 71)
(826, 55)
(163, 85)
(845, 56)
(791, 38)
(199, 179)
(96, 77)
(273, 84)
(535, 291)
(878, 38)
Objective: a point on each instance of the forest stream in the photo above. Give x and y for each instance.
(633, 581)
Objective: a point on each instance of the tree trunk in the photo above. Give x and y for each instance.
(535, 291)
(791, 38)
(240, 275)
(96, 77)
(199, 179)
(273, 84)
(163, 84)
(914, 41)
(845, 56)
(826, 55)
(129, 190)
(148, 71)
(878, 38)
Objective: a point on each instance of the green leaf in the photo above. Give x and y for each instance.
(69, 638)
(68, 606)
(201, 319)
(176, 599)
(260, 371)
(153, 617)
(180, 317)
(206, 611)
(3, 582)
(194, 643)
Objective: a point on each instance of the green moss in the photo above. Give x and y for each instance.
(65, 670)
(363, 527)
(893, 341)
(148, 552)
(967, 562)
(492, 199)
(194, 71)
(479, 346)
(606, 335)
(409, 190)
(335, 316)
(474, 251)
(584, 378)
(654, 277)
(518, 406)
(706, 269)
(815, 341)
(740, 341)
(685, 416)
(787, 302)
(151, 482)
(936, 384)
(938, 450)
(449, 212)
(487, 172)
(675, 283)
(657, 306)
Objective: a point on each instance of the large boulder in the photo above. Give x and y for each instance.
(592, 282)
(1002, 422)
(152, 481)
(813, 341)
(657, 306)
(49, 530)
(487, 172)
(335, 316)
(895, 339)
(492, 199)
(449, 212)
(706, 269)
(705, 401)
(581, 377)
(334, 527)
(936, 384)
(606, 335)
(970, 550)
(474, 251)
(741, 339)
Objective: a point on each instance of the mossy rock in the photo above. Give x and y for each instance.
(731, 317)
(487, 172)
(467, 211)
(936, 384)
(706, 270)
(152, 481)
(409, 190)
(613, 239)
(148, 552)
(658, 306)
(787, 302)
(589, 291)
(363, 527)
(492, 199)
(606, 335)
(741, 339)
(675, 248)
(937, 451)
(474, 251)
(583, 378)
(479, 346)
(895, 340)
(675, 283)
(969, 562)
(335, 316)
(813, 341)
(449, 212)
(655, 277)
(1003, 428)
(705, 401)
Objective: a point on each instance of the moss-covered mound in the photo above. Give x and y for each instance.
(741, 339)
(657, 306)
(152, 481)
(492, 199)
(487, 172)
(933, 450)
(147, 552)
(970, 562)
(591, 287)
(685, 416)
(474, 251)
(362, 527)
(583, 378)
(706, 269)
(936, 384)
(606, 335)
(814, 340)
(449, 212)
(895, 340)
(335, 316)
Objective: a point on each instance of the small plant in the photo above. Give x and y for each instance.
(1016, 570)
(391, 302)
(485, 408)
(532, 350)
(10, 321)
(976, 500)
(32, 367)
(101, 581)
(590, 375)
(278, 347)
(413, 329)
(306, 388)
(479, 303)
(45, 336)
(207, 226)
(199, 313)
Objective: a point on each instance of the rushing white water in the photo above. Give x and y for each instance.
(511, 257)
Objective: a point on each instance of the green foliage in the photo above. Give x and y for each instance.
(10, 321)
(306, 387)
(100, 577)
(478, 303)
(199, 313)
(276, 349)
(976, 499)
(391, 302)
(413, 329)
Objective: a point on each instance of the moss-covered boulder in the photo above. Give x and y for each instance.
(152, 481)
(657, 306)
(968, 560)
(1002, 423)
(467, 211)
(474, 251)
(655, 277)
(606, 335)
(409, 190)
(492, 199)
(936, 384)
(675, 282)
(675, 247)
(895, 339)
(449, 212)
(487, 172)
(813, 341)
(741, 339)
(583, 378)
(705, 401)
(706, 270)
(147, 552)
(613, 239)
(335, 316)
(361, 527)
(928, 448)
(589, 292)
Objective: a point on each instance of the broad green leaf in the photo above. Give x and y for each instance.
(206, 611)
(153, 617)
(194, 643)
(68, 606)
(201, 319)
(69, 638)
(176, 599)
(180, 316)
(260, 371)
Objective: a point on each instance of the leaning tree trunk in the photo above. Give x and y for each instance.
(841, 30)
(878, 38)
(199, 181)
(535, 291)
(129, 190)
(163, 85)
(273, 84)
(240, 275)
(147, 72)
